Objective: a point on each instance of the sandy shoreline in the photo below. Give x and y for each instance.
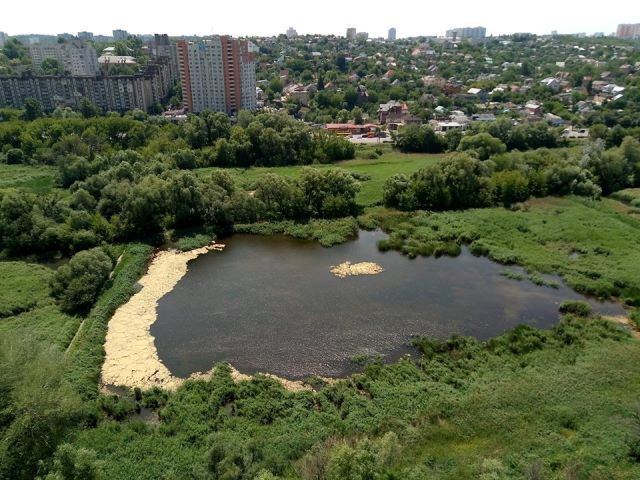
(131, 358)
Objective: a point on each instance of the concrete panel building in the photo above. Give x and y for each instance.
(469, 33)
(110, 93)
(392, 34)
(217, 74)
(3, 39)
(120, 35)
(351, 33)
(163, 47)
(74, 56)
(86, 36)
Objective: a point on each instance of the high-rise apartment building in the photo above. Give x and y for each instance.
(120, 35)
(471, 33)
(291, 33)
(351, 33)
(392, 34)
(163, 47)
(628, 30)
(218, 74)
(73, 56)
(3, 39)
(86, 36)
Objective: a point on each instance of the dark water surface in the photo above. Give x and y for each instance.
(270, 304)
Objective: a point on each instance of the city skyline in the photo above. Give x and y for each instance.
(412, 18)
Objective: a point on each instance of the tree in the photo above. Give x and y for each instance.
(483, 144)
(276, 85)
(146, 208)
(88, 109)
(281, 198)
(71, 463)
(32, 109)
(50, 66)
(511, 187)
(610, 168)
(77, 284)
(419, 139)
(328, 193)
(397, 192)
(13, 49)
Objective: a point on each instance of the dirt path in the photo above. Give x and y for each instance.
(626, 321)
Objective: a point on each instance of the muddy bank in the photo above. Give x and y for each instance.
(348, 269)
(131, 358)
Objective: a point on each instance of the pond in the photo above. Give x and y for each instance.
(271, 304)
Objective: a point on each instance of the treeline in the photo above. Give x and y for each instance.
(489, 138)
(212, 139)
(464, 181)
(123, 197)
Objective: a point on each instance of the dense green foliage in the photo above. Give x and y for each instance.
(464, 182)
(77, 284)
(458, 413)
(37, 405)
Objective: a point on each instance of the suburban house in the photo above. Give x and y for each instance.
(397, 113)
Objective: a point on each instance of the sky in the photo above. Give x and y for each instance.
(265, 18)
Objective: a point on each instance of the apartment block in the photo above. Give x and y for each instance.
(291, 33)
(3, 39)
(86, 36)
(218, 74)
(74, 56)
(120, 35)
(110, 93)
(628, 30)
(471, 33)
(392, 34)
(163, 47)
(351, 33)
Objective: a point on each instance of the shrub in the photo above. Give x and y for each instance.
(77, 284)
(575, 307)
(15, 156)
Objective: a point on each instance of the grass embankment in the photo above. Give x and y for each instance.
(87, 350)
(376, 171)
(592, 245)
(630, 196)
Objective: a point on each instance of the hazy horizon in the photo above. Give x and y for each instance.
(411, 18)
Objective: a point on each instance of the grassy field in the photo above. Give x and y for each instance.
(26, 307)
(371, 190)
(35, 179)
